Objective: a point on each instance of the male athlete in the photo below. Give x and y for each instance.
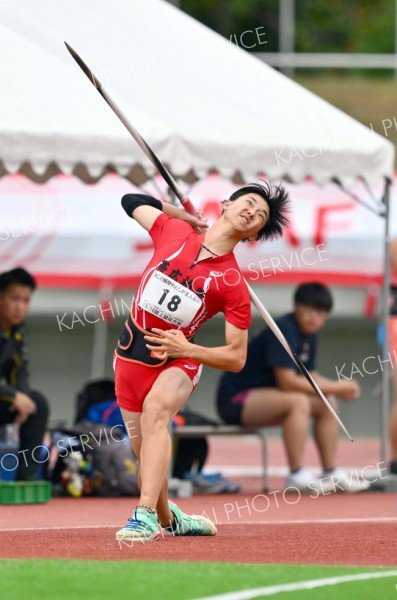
(191, 277)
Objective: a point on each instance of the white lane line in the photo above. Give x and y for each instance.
(311, 521)
(231, 523)
(365, 472)
(299, 585)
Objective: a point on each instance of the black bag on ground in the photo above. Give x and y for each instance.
(93, 393)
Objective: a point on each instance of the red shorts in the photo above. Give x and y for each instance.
(133, 381)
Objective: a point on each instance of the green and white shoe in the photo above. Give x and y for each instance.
(189, 524)
(143, 526)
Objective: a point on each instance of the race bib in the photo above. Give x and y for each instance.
(169, 300)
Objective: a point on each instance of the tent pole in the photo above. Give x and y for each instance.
(385, 318)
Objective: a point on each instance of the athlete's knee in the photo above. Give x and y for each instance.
(154, 414)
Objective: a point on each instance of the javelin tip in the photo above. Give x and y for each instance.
(83, 66)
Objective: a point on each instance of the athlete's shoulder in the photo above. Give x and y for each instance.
(166, 228)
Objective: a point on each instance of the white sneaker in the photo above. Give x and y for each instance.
(303, 481)
(344, 481)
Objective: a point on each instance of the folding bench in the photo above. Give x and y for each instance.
(195, 431)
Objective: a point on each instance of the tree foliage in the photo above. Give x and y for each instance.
(321, 25)
(345, 26)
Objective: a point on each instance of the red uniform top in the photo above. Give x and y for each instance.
(177, 293)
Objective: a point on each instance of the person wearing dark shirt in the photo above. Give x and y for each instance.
(271, 391)
(18, 404)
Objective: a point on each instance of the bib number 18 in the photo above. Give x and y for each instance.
(173, 303)
(169, 300)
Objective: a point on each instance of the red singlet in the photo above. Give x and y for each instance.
(175, 292)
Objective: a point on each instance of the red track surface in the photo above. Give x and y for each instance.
(81, 529)
(253, 528)
(356, 544)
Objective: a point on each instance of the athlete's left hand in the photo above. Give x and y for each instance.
(171, 343)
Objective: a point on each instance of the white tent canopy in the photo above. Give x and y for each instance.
(201, 102)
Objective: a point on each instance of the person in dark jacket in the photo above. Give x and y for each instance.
(18, 404)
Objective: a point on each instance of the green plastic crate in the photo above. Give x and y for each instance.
(25, 492)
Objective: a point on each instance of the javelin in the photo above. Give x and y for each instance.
(189, 207)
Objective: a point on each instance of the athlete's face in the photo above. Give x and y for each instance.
(248, 214)
(14, 305)
(310, 319)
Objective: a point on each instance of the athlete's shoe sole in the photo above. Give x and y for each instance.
(127, 537)
(205, 526)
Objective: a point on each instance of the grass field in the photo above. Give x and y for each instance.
(370, 101)
(64, 579)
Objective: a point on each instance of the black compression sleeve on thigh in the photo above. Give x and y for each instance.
(131, 201)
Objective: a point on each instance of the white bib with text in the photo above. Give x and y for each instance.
(169, 300)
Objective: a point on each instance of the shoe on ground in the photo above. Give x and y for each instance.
(304, 482)
(345, 481)
(189, 524)
(143, 526)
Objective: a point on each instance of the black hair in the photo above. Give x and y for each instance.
(278, 200)
(314, 294)
(17, 276)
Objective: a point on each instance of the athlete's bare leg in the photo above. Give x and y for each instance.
(153, 446)
(132, 422)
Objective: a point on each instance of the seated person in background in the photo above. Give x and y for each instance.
(393, 346)
(17, 403)
(270, 391)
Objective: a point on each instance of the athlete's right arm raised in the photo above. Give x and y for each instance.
(145, 210)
